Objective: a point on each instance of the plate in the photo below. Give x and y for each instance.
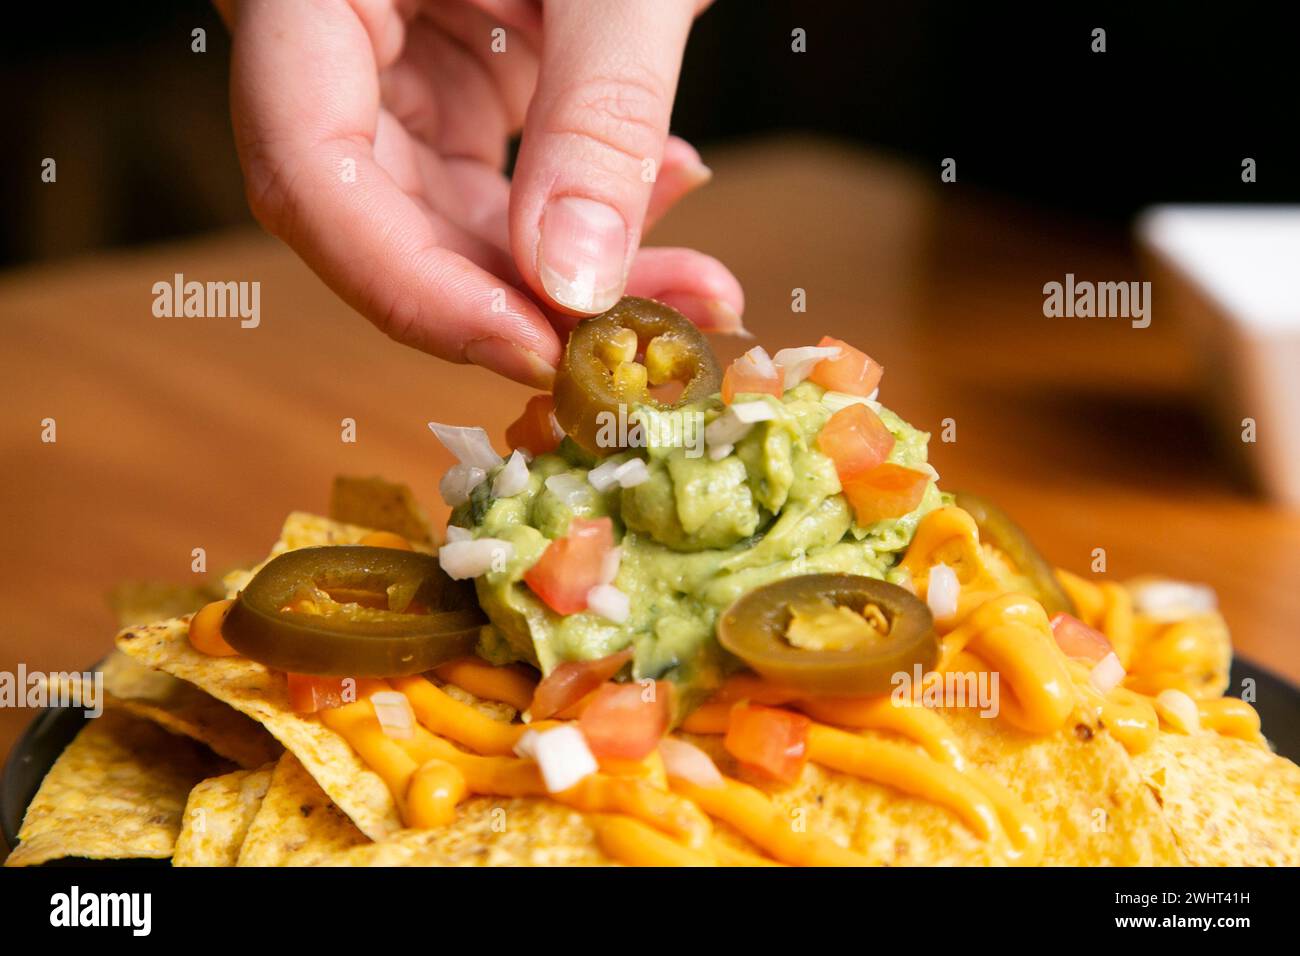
(1276, 699)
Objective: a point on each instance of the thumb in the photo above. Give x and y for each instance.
(592, 143)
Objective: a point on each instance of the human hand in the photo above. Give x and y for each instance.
(373, 134)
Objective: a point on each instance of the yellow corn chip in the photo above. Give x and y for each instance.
(182, 708)
(263, 695)
(296, 823)
(217, 816)
(379, 504)
(116, 792)
(489, 831)
(144, 602)
(1229, 802)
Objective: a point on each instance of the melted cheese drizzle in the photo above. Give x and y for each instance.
(642, 818)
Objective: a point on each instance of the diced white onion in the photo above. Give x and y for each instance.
(604, 476)
(762, 362)
(471, 446)
(561, 754)
(685, 761)
(609, 565)
(459, 481)
(1178, 710)
(837, 400)
(727, 428)
(609, 602)
(625, 474)
(633, 473)
(719, 452)
(752, 412)
(456, 533)
(798, 363)
(393, 710)
(513, 478)
(943, 591)
(1173, 600)
(569, 488)
(469, 559)
(1107, 674)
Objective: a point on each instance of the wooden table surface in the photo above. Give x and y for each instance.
(182, 433)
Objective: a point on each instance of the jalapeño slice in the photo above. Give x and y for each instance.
(614, 359)
(997, 528)
(354, 611)
(896, 634)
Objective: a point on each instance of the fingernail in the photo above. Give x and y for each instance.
(727, 320)
(582, 256)
(697, 174)
(511, 360)
(711, 315)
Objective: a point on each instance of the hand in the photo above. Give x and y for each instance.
(373, 133)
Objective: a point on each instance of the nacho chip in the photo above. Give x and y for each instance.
(489, 831)
(379, 504)
(1229, 802)
(217, 817)
(1093, 806)
(144, 602)
(296, 823)
(184, 709)
(263, 695)
(116, 792)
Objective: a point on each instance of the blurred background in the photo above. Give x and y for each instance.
(175, 434)
(1182, 93)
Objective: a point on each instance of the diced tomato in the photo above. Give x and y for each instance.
(1077, 639)
(854, 372)
(571, 566)
(571, 681)
(309, 694)
(856, 440)
(753, 373)
(536, 429)
(626, 721)
(886, 491)
(770, 739)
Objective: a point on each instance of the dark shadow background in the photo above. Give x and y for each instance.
(139, 126)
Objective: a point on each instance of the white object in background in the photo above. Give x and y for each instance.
(1232, 273)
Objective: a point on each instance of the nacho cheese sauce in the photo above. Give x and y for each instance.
(642, 817)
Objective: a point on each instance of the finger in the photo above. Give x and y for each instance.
(682, 171)
(698, 286)
(593, 137)
(305, 99)
(508, 52)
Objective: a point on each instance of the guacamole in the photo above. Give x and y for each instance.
(695, 535)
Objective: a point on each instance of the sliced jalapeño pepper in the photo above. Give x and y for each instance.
(615, 359)
(997, 529)
(831, 635)
(353, 611)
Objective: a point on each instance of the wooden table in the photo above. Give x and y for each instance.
(182, 433)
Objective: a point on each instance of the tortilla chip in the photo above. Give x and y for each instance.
(489, 831)
(263, 695)
(116, 792)
(217, 817)
(145, 602)
(379, 504)
(1229, 802)
(1092, 804)
(184, 709)
(296, 823)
